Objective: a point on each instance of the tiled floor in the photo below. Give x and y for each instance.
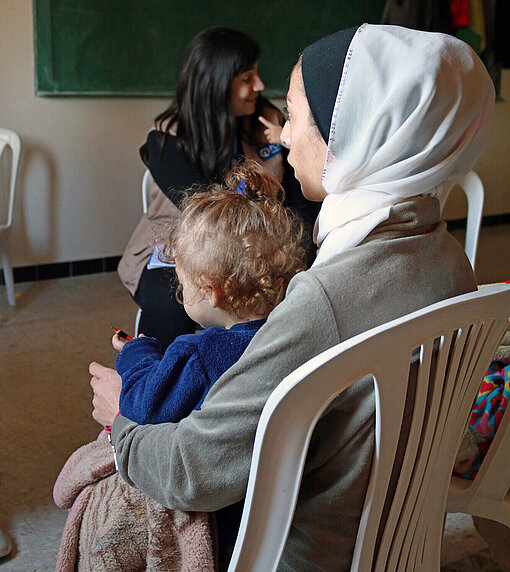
(47, 342)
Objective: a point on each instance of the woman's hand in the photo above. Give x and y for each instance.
(106, 384)
(272, 131)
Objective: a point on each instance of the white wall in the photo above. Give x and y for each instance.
(494, 164)
(78, 194)
(79, 182)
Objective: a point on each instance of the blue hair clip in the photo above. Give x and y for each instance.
(242, 188)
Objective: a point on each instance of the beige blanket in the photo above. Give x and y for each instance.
(112, 526)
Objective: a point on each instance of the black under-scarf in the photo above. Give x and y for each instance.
(322, 66)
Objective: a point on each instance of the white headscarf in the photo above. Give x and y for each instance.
(412, 113)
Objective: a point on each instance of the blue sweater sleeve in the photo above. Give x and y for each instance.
(158, 389)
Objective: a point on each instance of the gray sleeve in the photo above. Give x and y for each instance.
(202, 463)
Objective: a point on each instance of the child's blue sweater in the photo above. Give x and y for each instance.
(159, 389)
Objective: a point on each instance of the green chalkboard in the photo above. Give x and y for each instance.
(133, 47)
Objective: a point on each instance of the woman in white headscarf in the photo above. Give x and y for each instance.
(410, 116)
(380, 119)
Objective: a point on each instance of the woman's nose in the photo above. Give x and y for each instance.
(258, 84)
(285, 134)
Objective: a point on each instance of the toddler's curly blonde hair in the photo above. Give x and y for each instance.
(239, 237)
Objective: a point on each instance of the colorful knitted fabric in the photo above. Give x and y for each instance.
(488, 410)
(491, 401)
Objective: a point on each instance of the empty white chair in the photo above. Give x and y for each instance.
(472, 186)
(456, 339)
(9, 139)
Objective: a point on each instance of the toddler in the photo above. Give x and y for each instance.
(235, 248)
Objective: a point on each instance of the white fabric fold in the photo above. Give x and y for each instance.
(412, 114)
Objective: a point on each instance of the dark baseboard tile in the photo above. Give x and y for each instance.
(489, 220)
(81, 267)
(63, 269)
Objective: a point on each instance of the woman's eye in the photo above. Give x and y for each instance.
(246, 79)
(286, 114)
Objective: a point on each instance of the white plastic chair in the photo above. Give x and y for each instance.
(146, 190)
(11, 139)
(462, 333)
(146, 201)
(472, 186)
(488, 496)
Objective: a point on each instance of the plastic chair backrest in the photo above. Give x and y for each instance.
(472, 186)
(456, 340)
(146, 190)
(11, 139)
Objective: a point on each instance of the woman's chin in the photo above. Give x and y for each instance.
(247, 109)
(316, 195)
(250, 108)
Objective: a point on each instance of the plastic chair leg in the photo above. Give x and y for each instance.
(8, 277)
(137, 321)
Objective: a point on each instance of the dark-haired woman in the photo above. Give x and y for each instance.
(211, 124)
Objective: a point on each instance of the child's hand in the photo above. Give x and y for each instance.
(118, 343)
(272, 131)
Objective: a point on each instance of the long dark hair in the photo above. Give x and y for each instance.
(206, 126)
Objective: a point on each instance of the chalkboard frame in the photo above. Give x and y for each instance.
(75, 55)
